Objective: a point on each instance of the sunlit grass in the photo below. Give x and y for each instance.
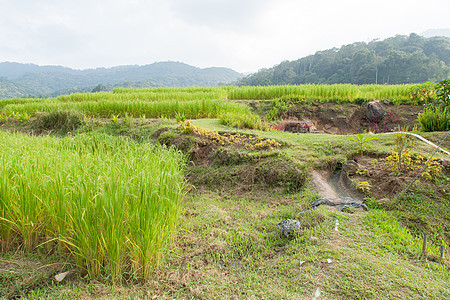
(112, 202)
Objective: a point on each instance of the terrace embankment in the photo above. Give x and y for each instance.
(224, 161)
(349, 118)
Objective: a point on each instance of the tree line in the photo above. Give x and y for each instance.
(396, 60)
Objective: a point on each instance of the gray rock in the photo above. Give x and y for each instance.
(375, 111)
(289, 227)
(339, 204)
(351, 167)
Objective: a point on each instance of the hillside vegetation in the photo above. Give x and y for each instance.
(396, 60)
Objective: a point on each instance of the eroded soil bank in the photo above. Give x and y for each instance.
(350, 118)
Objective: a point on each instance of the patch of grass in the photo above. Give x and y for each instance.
(60, 122)
(392, 236)
(425, 209)
(268, 172)
(30, 275)
(228, 245)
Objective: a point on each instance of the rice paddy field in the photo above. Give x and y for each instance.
(92, 197)
(199, 102)
(130, 202)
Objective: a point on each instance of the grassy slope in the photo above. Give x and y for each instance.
(229, 246)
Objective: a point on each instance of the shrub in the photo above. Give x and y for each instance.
(60, 121)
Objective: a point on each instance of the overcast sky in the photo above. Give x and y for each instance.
(245, 35)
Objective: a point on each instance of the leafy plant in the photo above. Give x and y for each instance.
(404, 142)
(362, 171)
(424, 93)
(180, 117)
(361, 141)
(114, 119)
(249, 142)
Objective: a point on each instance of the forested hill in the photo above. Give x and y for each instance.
(396, 60)
(21, 80)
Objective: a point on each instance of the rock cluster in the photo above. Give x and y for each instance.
(290, 228)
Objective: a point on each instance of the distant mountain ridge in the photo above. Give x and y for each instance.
(21, 80)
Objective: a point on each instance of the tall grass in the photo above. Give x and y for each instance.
(111, 202)
(391, 235)
(251, 121)
(434, 119)
(104, 108)
(331, 93)
(326, 93)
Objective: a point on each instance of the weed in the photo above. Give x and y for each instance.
(361, 141)
(434, 119)
(404, 142)
(180, 117)
(58, 121)
(248, 142)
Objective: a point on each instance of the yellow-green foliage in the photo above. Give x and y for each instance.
(113, 203)
(364, 187)
(415, 164)
(248, 142)
(434, 119)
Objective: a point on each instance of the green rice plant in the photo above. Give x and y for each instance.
(92, 196)
(163, 101)
(339, 93)
(434, 119)
(243, 120)
(104, 108)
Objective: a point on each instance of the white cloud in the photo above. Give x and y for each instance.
(244, 35)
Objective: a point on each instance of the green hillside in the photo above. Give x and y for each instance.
(396, 60)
